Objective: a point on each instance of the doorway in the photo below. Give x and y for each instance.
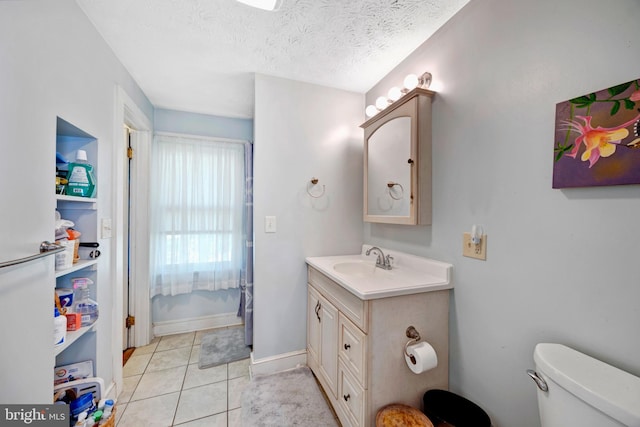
(130, 244)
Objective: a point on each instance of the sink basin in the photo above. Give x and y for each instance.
(355, 268)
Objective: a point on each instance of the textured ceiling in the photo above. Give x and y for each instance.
(201, 55)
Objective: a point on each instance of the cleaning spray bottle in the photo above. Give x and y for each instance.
(80, 176)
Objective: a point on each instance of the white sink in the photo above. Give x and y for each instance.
(410, 274)
(355, 268)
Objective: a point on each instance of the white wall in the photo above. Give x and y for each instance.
(561, 264)
(301, 131)
(54, 63)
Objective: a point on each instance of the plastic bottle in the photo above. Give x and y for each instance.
(84, 305)
(59, 327)
(108, 407)
(80, 176)
(82, 420)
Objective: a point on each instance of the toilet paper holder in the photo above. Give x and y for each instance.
(415, 337)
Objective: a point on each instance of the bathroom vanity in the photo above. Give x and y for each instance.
(357, 317)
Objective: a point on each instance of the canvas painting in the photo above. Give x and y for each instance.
(596, 138)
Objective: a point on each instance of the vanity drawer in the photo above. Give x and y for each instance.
(352, 349)
(349, 304)
(350, 398)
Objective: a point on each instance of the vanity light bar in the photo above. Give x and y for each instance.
(410, 82)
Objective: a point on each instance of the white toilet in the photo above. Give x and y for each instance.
(582, 391)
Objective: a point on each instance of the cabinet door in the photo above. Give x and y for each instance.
(329, 343)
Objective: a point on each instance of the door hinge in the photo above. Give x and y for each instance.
(130, 152)
(130, 321)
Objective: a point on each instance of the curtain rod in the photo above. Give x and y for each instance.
(204, 137)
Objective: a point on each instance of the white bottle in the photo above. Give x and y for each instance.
(59, 327)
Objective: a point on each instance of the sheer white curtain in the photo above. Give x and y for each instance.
(197, 203)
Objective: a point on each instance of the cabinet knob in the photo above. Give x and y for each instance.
(346, 397)
(347, 346)
(410, 161)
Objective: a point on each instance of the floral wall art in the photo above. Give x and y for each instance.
(596, 138)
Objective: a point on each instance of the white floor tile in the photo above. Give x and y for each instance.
(154, 412)
(136, 365)
(164, 387)
(235, 418)
(170, 342)
(129, 386)
(150, 348)
(161, 382)
(169, 359)
(196, 377)
(239, 368)
(195, 354)
(201, 402)
(236, 387)
(218, 420)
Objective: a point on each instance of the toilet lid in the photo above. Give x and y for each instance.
(398, 415)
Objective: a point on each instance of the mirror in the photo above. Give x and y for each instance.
(397, 161)
(388, 172)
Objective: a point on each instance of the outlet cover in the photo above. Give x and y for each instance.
(472, 250)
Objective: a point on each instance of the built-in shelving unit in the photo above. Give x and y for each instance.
(81, 344)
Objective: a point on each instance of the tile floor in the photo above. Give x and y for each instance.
(164, 387)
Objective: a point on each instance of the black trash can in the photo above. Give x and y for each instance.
(442, 406)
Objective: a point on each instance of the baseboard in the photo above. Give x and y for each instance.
(179, 326)
(110, 392)
(277, 363)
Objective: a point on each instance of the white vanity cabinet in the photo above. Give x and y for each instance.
(355, 347)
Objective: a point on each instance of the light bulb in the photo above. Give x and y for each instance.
(371, 110)
(382, 103)
(394, 93)
(411, 81)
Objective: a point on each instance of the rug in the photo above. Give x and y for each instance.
(288, 398)
(223, 346)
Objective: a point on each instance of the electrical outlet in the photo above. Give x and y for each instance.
(472, 250)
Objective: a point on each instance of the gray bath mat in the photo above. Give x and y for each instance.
(223, 346)
(288, 398)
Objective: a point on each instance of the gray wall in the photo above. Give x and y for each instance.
(301, 131)
(561, 264)
(198, 303)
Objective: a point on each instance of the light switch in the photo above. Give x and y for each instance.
(269, 224)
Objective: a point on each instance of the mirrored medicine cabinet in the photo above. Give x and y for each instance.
(397, 161)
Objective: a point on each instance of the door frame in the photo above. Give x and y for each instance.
(127, 112)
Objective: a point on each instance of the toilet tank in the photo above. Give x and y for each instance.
(583, 391)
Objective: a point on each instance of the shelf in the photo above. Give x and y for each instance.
(77, 266)
(75, 202)
(73, 336)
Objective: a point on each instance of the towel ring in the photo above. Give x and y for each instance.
(390, 186)
(314, 182)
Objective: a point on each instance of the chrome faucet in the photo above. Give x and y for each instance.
(382, 261)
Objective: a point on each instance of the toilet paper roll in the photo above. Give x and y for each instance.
(424, 355)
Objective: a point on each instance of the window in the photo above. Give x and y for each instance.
(197, 214)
